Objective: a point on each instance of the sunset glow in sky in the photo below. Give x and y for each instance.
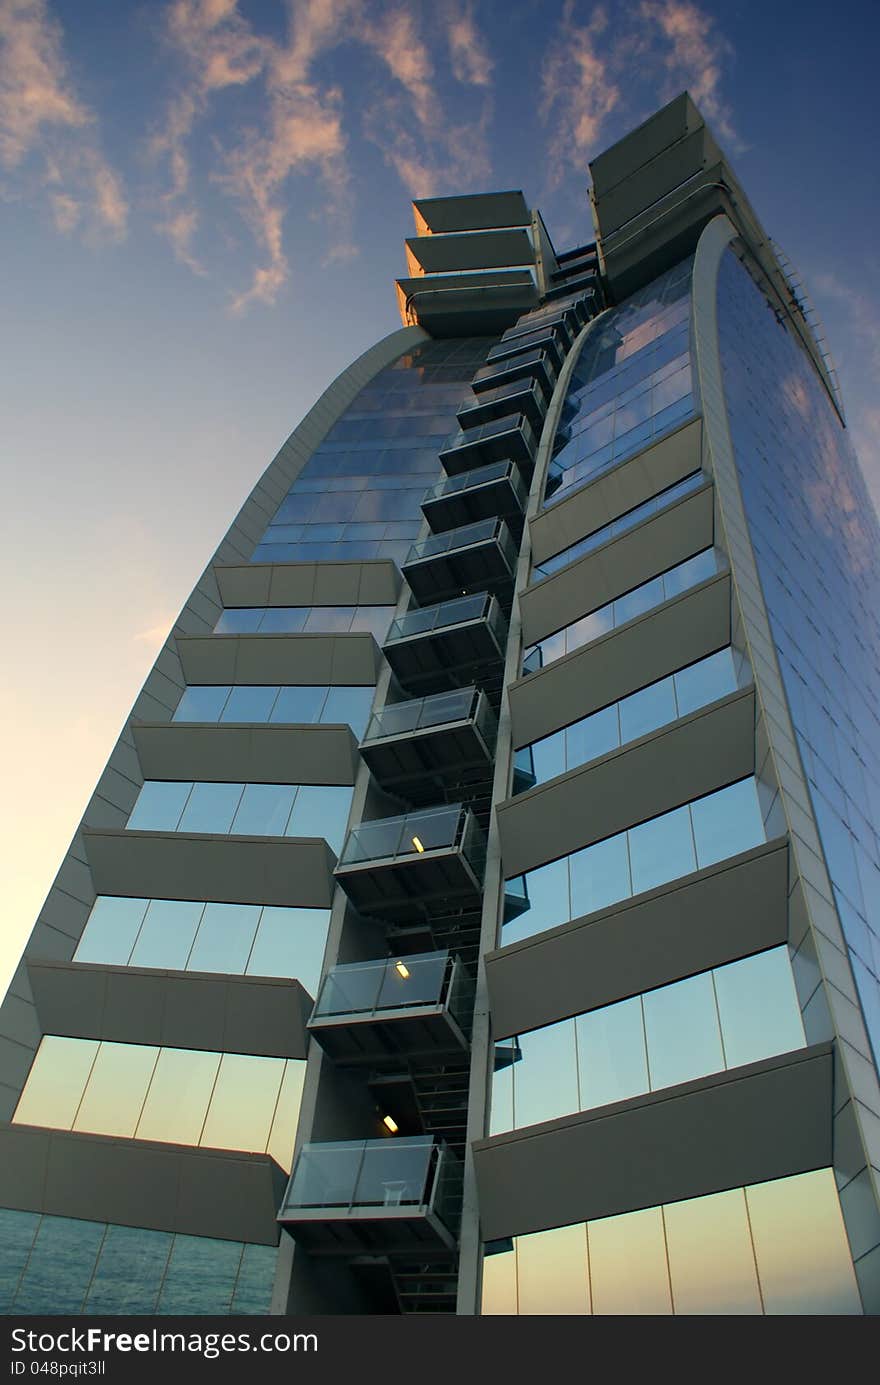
(203, 211)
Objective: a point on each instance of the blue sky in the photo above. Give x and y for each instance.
(204, 204)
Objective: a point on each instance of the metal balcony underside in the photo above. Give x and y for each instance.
(483, 566)
(539, 340)
(426, 1034)
(522, 396)
(529, 365)
(515, 441)
(427, 883)
(447, 656)
(495, 490)
(408, 1230)
(446, 754)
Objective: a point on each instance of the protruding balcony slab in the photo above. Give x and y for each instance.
(440, 647)
(509, 437)
(484, 493)
(443, 739)
(390, 1197)
(423, 863)
(543, 338)
(477, 557)
(517, 396)
(415, 1007)
(532, 364)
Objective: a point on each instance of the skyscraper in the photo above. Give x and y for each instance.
(480, 911)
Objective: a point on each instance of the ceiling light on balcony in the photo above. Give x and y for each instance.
(402, 970)
(417, 844)
(390, 1124)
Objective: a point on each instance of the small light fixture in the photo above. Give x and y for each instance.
(417, 844)
(402, 970)
(390, 1124)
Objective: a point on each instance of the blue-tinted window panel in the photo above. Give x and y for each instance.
(612, 1060)
(159, 806)
(249, 704)
(600, 875)
(321, 810)
(244, 622)
(201, 1276)
(202, 703)
(648, 709)
(129, 1271)
(60, 1267)
(111, 930)
(728, 822)
(225, 938)
(299, 705)
(264, 810)
(351, 705)
(684, 1036)
(210, 808)
(662, 849)
(290, 942)
(705, 681)
(167, 934)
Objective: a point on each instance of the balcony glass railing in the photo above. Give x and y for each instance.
(453, 539)
(477, 476)
(421, 713)
(541, 336)
(390, 983)
(511, 389)
(495, 428)
(367, 1173)
(411, 834)
(521, 364)
(427, 618)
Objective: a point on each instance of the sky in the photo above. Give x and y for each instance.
(202, 211)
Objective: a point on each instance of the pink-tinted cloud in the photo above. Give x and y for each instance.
(469, 54)
(695, 59)
(48, 135)
(578, 88)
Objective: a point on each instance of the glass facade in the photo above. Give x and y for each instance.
(655, 852)
(250, 810)
(293, 705)
(646, 597)
(305, 620)
(631, 385)
(175, 1095)
(772, 1248)
(186, 935)
(817, 546)
(618, 526)
(641, 712)
(706, 1023)
(58, 1265)
(359, 495)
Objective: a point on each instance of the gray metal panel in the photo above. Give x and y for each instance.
(752, 1124)
(489, 249)
(649, 139)
(304, 659)
(626, 562)
(265, 1016)
(233, 870)
(701, 753)
(652, 470)
(375, 583)
(622, 661)
(249, 754)
(165, 1187)
(667, 170)
(715, 916)
(472, 212)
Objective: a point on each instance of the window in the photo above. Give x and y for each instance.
(253, 810)
(289, 705)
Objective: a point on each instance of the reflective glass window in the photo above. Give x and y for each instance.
(256, 1277)
(803, 1257)
(111, 930)
(711, 1258)
(545, 1082)
(758, 1007)
(210, 808)
(225, 938)
(705, 681)
(244, 622)
(662, 849)
(299, 705)
(56, 1082)
(628, 1271)
(159, 806)
(321, 810)
(290, 942)
(600, 875)
(264, 810)
(167, 934)
(202, 703)
(60, 1266)
(612, 1058)
(200, 1277)
(243, 1103)
(129, 1271)
(117, 1087)
(727, 822)
(17, 1232)
(178, 1096)
(683, 1032)
(351, 705)
(552, 1272)
(646, 710)
(249, 704)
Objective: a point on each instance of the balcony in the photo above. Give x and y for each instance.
(436, 648)
(432, 742)
(377, 1197)
(427, 863)
(542, 338)
(557, 323)
(525, 396)
(416, 1008)
(478, 557)
(509, 437)
(534, 364)
(486, 492)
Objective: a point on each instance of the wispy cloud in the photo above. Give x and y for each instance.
(598, 76)
(695, 59)
(427, 146)
(469, 54)
(856, 318)
(48, 134)
(578, 89)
